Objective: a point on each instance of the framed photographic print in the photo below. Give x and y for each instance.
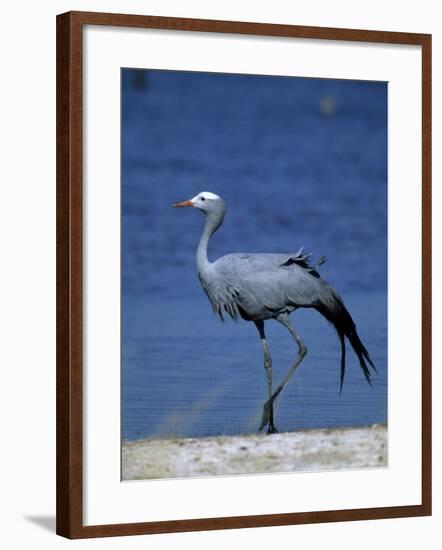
(243, 274)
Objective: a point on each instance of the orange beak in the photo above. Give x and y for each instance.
(183, 203)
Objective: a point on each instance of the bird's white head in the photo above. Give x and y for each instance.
(206, 201)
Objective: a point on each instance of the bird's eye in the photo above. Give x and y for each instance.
(203, 198)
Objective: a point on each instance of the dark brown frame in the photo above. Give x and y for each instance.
(69, 273)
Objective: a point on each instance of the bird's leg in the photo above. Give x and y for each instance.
(302, 351)
(268, 371)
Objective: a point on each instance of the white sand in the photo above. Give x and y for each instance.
(328, 449)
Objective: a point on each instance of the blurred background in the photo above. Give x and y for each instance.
(299, 162)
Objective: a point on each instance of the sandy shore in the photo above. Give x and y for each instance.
(309, 450)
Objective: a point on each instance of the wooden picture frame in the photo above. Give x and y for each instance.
(70, 273)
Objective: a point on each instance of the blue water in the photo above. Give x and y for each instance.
(299, 162)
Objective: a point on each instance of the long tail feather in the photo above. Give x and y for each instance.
(341, 319)
(362, 354)
(342, 340)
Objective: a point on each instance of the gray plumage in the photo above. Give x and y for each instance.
(258, 287)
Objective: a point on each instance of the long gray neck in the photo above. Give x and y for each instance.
(213, 221)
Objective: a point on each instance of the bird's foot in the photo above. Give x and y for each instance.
(267, 414)
(271, 429)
